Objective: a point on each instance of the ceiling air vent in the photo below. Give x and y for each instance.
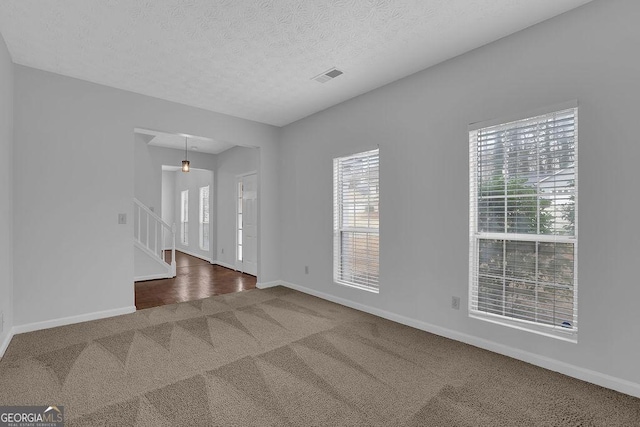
(331, 73)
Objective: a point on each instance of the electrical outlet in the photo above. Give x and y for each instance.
(306, 269)
(122, 218)
(222, 250)
(455, 303)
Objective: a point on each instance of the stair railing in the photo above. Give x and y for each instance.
(151, 233)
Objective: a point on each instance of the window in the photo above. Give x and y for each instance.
(204, 218)
(523, 228)
(356, 223)
(184, 217)
(239, 224)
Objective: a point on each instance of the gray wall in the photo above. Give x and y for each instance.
(231, 163)
(73, 174)
(420, 123)
(167, 213)
(6, 189)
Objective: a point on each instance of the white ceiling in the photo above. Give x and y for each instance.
(194, 143)
(255, 58)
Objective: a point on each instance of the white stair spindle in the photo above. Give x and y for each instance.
(139, 224)
(147, 236)
(135, 231)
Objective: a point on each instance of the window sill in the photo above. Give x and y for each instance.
(568, 335)
(354, 286)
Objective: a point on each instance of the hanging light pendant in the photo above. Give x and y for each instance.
(185, 162)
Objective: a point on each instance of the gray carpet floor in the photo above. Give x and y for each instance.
(277, 357)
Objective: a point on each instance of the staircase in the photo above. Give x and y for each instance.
(153, 239)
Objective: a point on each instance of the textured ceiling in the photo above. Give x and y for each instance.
(255, 58)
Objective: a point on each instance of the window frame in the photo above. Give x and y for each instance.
(339, 229)
(239, 232)
(184, 217)
(204, 244)
(555, 331)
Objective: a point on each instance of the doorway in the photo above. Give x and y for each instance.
(201, 207)
(247, 224)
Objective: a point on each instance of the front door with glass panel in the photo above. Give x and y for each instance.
(247, 224)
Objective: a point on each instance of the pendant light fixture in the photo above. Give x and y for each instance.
(185, 162)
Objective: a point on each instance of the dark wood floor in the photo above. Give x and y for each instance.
(195, 279)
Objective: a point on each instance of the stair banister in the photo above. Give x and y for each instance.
(159, 229)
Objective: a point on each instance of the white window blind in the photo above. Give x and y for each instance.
(184, 217)
(204, 218)
(239, 221)
(356, 220)
(523, 228)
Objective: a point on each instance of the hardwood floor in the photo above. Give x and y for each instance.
(195, 279)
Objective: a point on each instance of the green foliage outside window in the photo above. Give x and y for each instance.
(523, 279)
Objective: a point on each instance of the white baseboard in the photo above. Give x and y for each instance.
(5, 343)
(152, 277)
(225, 265)
(188, 252)
(583, 374)
(36, 326)
(266, 285)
